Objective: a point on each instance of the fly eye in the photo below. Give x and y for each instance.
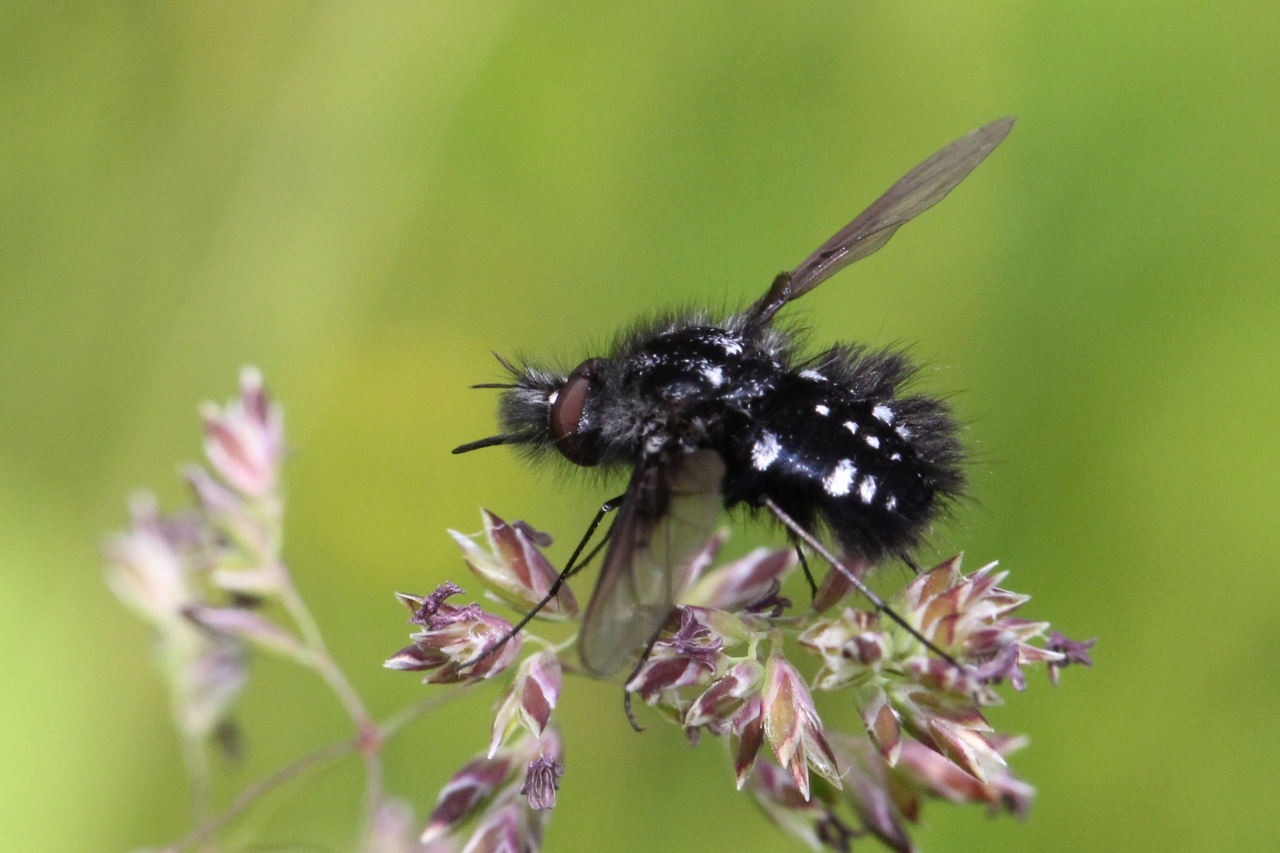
(568, 404)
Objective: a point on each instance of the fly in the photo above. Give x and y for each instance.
(712, 413)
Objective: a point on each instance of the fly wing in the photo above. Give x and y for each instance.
(917, 191)
(670, 510)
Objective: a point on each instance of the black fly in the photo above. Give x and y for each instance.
(714, 412)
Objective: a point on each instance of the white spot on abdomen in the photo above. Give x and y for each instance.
(903, 431)
(714, 375)
(840, 480)
(867, 489)
(851, 427)
(765, 450)
(814, 375)
(891, 504)
(873, 441)
(882, 413)
(822, 410)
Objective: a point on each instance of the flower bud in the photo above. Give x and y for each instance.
(249, 626)
(882, 804)
(809, 820)
(509, 826)
(244, 440)
(468, 788)
(455, 637)
(717, 704)
(836, 584)
(968, 749)
(698, 566)
(748, 737)
(1003, 665)
(531, 699)
(689, 656)
(391, 831)
(851, 646)
(881, 721)
(931, 772)
(149, 569)
(735, 585)
(541, 782)
(1071, 651)
(241, 523)
(792, 725)
(514, 567)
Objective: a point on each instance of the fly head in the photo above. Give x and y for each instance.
(576, 435)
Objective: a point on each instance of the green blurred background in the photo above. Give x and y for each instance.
(365, 199)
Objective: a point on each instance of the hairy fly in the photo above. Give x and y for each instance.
(711, 413)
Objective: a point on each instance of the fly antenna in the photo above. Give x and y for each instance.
(492, 441)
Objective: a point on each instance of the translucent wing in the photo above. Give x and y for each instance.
(917, 191)
(670, 511)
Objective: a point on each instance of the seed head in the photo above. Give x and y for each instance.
(454, 637)
(514, 567)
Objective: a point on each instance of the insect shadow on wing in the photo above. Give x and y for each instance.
(723, 412)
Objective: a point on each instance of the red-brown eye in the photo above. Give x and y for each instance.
(567, 407)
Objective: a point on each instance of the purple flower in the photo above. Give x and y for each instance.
(883, 805)
(245, 439)
(716, 706)
(1003, 665)
(836, 585)
(468, 788)
(508, 827)
(795, 813)
(792, 725)
(455, 637)
(532, 697)
(151, 570)
(1071, 651)
(748, 737)
(391, 831)
(434, 613)
(851, 645)
(514, 567)
(736, 585)
(541, 782)
(932, 773)
(691, 655)
(695, 639)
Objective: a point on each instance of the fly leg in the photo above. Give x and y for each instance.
(626, 694)
(808, 575)
(812, 541)
(571, 568)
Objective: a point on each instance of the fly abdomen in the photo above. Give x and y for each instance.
(875, 468)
